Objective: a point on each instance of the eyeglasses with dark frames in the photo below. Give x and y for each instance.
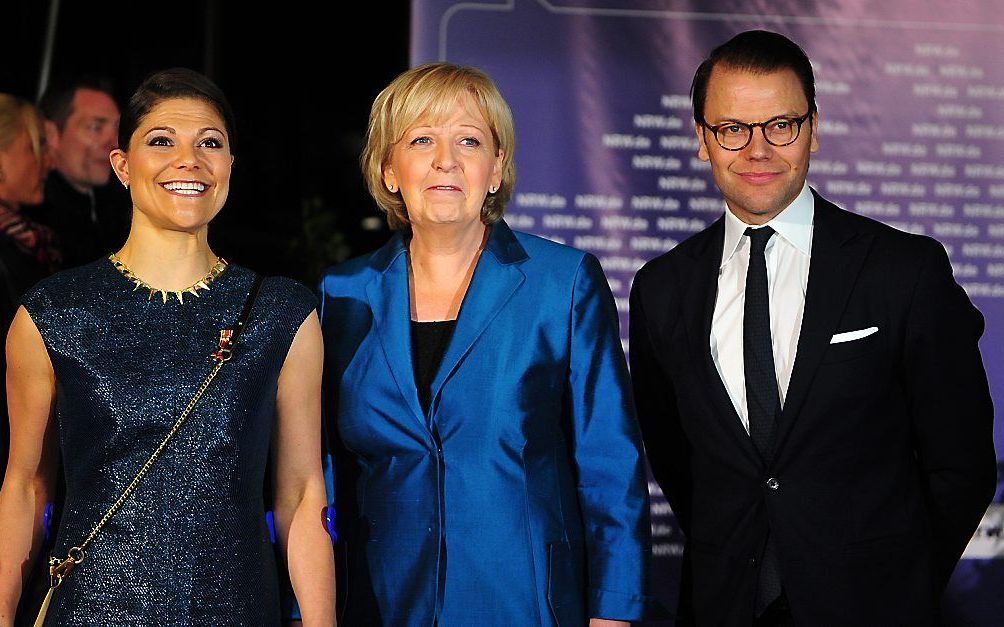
(780, 131)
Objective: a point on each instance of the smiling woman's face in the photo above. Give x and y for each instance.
(178, 165)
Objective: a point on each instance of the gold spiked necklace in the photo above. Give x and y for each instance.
(140, 284)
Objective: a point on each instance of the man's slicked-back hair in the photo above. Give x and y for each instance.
(759, 52)
(57, 101)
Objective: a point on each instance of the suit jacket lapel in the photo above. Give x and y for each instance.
(495, 280)
(838, 253)
(698, 309)
(388, 298)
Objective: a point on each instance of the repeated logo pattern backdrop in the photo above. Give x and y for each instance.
(911, 103)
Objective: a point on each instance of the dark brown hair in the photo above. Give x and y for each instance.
(757, 51)
(168, 85)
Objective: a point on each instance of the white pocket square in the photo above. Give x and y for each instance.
(850, 336)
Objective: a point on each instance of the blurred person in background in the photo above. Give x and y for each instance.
(82, 121)
(27, 253)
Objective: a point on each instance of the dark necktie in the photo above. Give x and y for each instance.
(763, 402)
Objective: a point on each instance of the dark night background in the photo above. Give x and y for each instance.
(300, 81)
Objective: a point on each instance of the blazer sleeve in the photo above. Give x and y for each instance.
(658, 415)
(606, 442)
(950, 407)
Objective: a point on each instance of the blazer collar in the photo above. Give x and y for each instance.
(504, 246)
(496, 278)
(698, 302)
(386, 255)
(838, 254)
(387, 294)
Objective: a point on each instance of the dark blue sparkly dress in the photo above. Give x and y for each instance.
(191, 546)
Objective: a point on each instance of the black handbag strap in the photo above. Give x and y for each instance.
(248, 306)
(229, 337)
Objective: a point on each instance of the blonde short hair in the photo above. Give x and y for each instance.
(18, 115)
(428, 92)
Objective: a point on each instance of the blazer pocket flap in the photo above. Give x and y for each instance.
(850, 336)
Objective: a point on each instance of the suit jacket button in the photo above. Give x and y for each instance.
(773, 483)
(752, 561)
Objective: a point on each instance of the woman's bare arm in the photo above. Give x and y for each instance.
(31, 390)
(299, 482)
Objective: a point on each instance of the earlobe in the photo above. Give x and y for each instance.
(389, 180)
(496, 181)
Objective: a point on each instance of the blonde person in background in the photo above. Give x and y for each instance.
(27, 252)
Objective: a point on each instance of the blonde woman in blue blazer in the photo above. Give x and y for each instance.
(489, 465)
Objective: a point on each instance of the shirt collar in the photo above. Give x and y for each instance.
(794, 224)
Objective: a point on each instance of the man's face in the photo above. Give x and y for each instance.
(90, 133)
(760, 180)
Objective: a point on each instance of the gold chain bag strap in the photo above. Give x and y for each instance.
(59, 569)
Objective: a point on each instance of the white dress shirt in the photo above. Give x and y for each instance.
(787, 257)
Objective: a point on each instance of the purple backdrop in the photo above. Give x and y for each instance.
(911, 102)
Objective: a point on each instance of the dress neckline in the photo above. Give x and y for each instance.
(219, 269)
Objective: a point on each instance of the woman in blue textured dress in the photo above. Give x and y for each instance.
(103, 359)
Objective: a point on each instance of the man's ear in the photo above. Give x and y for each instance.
(702, 147)
(814, 145)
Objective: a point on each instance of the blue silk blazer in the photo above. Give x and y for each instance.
(520, 498)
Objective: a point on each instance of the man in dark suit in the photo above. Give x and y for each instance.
(809, 385)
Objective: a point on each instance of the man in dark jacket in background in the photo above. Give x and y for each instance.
(82, 121)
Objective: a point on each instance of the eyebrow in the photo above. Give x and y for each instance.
(462, 126)
(171, 130)
(728, 119)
